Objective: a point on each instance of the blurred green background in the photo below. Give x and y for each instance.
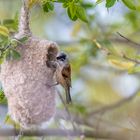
(97, 79)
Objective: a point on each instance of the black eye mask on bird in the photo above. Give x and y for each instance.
(61, 57)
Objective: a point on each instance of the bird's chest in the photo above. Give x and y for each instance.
(59, 77)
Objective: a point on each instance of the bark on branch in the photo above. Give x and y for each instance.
(111, 134)
(49, 132)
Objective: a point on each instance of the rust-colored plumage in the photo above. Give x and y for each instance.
(63, 75)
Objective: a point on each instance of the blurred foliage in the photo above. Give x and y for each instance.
(3, 99)
(8, 43)
(9, 121)
(76, 8)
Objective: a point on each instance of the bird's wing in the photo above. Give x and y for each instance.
(66, 72)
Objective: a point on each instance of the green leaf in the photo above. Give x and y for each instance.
(8, 21)
(11, 24)
(130, 4)
(110, 3)
(8, 54)
(99, 1)
(62, 1)
(120, 63)
(3, 99)
(5, 42)
(70, 16)
(1, 60)
(74, 18)
(138, 7)
(2, 96)
(137, 57)
(4, 31)
(72, 10)
(50, 6)
(88, 5)
(14, 43)
(45, 7)
(2, 56)
(12, 54)
(81, 13)
(10, 121)
(79, 108)
(15, 54)
(65, 5)
(3, 37)
(134, 70)
(23, 39)
(76, 1)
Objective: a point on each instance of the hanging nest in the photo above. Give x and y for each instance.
(30, 100)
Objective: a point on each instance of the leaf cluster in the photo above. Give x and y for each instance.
(75, 8)
(8, 43)
(11, 24)
(133, 5)
(8, 46)
(123, 60)
(3, 99)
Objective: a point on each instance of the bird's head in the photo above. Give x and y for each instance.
(61, 57)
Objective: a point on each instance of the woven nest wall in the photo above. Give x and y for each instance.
(30, 100)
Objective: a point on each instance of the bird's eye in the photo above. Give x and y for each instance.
(61, 58)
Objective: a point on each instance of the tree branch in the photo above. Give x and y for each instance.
(125, 40)
(108, 52)
(51, 132)
(105, 134)
(131, 59)
(115, 105)
(129, 40)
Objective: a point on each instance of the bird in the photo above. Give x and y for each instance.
(63, 74)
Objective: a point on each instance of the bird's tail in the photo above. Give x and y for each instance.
(68, 96)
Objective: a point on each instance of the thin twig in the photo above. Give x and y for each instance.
(131, 59)
(67, 110)
(110, 53)
(116, 40)
(115, 105)
(86, 121)
(129, 40)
